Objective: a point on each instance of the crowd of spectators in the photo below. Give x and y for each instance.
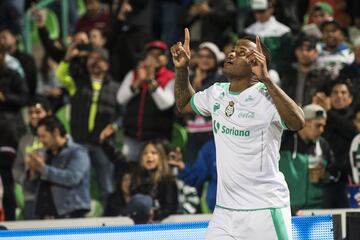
(94, 118)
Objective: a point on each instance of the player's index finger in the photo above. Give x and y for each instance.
(258, 44)
(187, 39)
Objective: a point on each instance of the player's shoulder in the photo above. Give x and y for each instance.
(261, 89)
(219, 88)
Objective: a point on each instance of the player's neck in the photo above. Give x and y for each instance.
(240, 84)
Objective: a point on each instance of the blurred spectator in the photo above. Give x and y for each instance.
(13, 96)
(97, 38)
(354, 30)
(153, 177)
(166, 20)
(206, 73)
(352, 73)
(341, 11)
(38, 108)
(61, 174)
(12, 63)
(202, 170)
(12, 15)
(55, 6)
(275, 35)
(117, 204)
(188, 199)
(355, 149)
(305, 158)
(93, 106)
(131, 28)
(286, 12)
(339, 132)
(301, 80)
(147, 92)
(318, 13)
(334, 54)
(211, 20)
(141, 209)
(54, 48)
(8, 39)
(243, 11)
(49, 86)
(96, 16)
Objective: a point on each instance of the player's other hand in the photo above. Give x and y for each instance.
(257, 61)
(181, 52)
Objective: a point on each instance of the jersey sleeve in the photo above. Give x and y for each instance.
(276, 119)
(200, 102)
(279, 121)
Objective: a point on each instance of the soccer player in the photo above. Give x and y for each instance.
(249, 114)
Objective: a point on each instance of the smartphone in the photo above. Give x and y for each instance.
(84, 47)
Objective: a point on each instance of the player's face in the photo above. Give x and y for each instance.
(150, 157)
(235, 64)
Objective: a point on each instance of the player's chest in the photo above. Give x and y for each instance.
(249, 111)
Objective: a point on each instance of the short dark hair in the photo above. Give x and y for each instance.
(346, 82)
(6, 28)
(331, 22)
(264, 48)
(303, 38)
(52, 123)
(40, 100)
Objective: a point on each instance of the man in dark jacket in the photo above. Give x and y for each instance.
(352, 72)
(27, 61)
(61, 173)
(301, 80)
(13, 96)
(93, 107)
(339, 132)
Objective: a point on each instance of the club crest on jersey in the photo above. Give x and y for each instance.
(229, 110)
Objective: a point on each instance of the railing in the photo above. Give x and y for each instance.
(64, 22)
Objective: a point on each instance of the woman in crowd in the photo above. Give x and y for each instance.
(153, 177)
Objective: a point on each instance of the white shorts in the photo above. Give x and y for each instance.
(272, 223)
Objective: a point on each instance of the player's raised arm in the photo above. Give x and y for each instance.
(183, 89)
(288, 110)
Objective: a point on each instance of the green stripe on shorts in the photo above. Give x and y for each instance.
(279, 224)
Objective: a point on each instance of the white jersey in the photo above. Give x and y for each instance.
(247, 130)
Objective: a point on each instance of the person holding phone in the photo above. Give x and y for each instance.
(38, 108)
(93, 107)
(60, 173)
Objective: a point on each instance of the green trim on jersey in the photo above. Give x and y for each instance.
(193, 106)
(223, 85)
(261, 86)
(283, 124)
(279, 224)
(248, 209)
(234, 93)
